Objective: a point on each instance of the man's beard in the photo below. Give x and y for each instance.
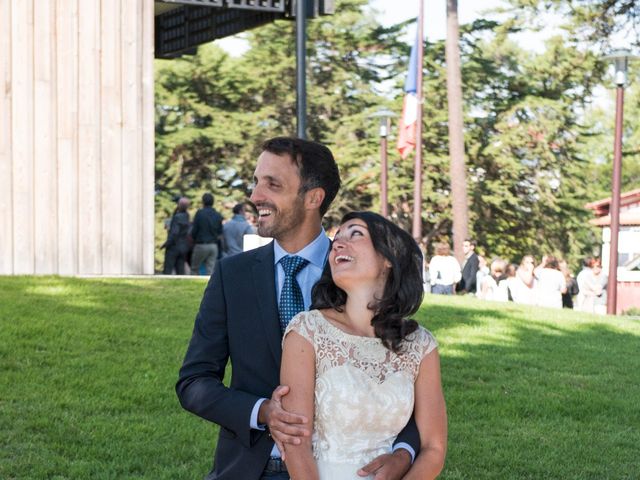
(282, 221)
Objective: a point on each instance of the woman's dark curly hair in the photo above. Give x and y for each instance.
(403, 291)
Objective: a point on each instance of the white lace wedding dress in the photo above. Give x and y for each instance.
(363, 393)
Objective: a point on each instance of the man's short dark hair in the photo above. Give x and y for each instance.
(471, 241)
(207, 200)
(317, 167)
(238, 209)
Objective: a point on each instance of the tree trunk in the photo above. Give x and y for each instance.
(456, 134)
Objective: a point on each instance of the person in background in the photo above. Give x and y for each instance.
(523, 287)
(177, 244)
(206, 230)
(493, 288)
(600, 301)
(234, 230)
(550, 284)
(572, 285)
(541, 265)
(469, 268)
(444, 271)
(589, 287)
(483, 272)
(510, 281)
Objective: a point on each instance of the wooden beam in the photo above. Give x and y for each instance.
(89, 160)
(67, 141)
(45, 211)
(6, 162)
(22, 134)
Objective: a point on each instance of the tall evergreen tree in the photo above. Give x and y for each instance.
(459, 202)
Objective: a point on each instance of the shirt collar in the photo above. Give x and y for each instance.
(315, 252)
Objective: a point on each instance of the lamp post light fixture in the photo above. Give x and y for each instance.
(384, 116)
(620, 59)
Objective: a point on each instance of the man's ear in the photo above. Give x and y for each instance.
(314, 198)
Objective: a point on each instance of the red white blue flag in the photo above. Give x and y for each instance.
(409, 118)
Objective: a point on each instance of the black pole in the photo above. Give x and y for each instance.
(301, 55)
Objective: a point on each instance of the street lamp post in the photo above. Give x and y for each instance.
(621, 62)
(384, 116)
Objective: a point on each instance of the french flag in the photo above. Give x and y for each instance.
(409, 118)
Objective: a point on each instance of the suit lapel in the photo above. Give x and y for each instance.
(264, 282)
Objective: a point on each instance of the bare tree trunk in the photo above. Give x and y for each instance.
(456, 134)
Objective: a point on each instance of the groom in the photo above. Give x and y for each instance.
(295, 182)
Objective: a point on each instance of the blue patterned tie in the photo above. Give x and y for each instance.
(291, 301)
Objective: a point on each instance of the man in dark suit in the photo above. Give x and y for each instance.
(469, 268)
(295, 182)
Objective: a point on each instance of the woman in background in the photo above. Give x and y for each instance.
(524, 285)
(444, 270)
(550, 284)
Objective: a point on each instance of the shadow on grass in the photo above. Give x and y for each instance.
(537, 393)
(89, 367)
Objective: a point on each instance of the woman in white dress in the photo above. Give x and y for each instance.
(358, 365)
(524, 285)
(550, 284)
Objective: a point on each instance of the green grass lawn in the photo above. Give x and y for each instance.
(88, 366)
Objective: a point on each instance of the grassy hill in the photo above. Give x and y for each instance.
(88, 366)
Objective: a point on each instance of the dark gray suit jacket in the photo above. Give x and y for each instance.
(238, 320)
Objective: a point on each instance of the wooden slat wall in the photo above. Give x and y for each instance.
(22, 135)
(89, 171)
(66, 41)
(76, 137)
(44, 108)
(6, 164)
(148, 137)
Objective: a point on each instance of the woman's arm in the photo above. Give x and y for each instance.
(431, 417)
(298, 371)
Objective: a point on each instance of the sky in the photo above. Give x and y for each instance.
(395, 11)
(435, 13)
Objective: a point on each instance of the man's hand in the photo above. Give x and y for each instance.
(284, 427)
(390, 466)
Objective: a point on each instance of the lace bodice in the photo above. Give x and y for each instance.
(363, 391)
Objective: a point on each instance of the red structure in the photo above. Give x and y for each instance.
(628, 261)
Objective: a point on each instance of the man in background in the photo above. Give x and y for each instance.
(206, 230)
(469, 268)
(234, 231)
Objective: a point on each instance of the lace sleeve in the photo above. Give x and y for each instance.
(428, 342)
(304, 325)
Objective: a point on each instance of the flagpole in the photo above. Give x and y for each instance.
(417, 174)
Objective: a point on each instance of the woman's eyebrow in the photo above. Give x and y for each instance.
(356, 225)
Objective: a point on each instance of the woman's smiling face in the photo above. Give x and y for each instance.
(353, 257)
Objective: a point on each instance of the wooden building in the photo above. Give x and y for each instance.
(628, 261)
(77, 124)
(76, 136)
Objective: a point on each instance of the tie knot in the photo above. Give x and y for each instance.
(292, 264)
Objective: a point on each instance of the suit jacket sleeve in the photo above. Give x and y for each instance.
(410, 435)
(199, 387)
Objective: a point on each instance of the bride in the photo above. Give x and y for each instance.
(358, 365)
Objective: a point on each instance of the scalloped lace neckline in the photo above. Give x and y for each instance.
(341, 332)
